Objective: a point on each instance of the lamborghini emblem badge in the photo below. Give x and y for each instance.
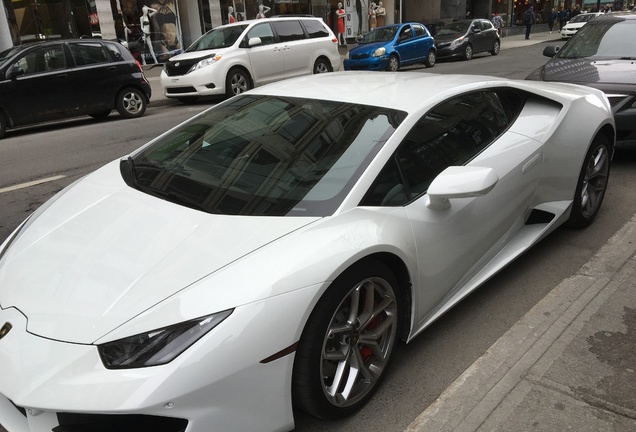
(6, 328)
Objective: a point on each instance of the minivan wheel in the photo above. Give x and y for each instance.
(130, 103)
(321, 66)
(237, 82)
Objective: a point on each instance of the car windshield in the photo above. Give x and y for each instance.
(611, 38)
(382, 34)
(221, 37)
(264, 155)
(454, 28)
(582, 18)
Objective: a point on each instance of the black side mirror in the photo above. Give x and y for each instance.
(14, 72)
(551, 50)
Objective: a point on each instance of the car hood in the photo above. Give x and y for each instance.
(368, 48)
(586, 71)
(103, 253)
(196, 55)
(448, 37)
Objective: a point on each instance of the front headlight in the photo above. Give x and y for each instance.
(205, 62)
(159, 346)
(379, 52)
(457, 42)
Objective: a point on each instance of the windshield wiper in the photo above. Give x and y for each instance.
(181, 199)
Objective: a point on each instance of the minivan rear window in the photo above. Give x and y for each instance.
(289, 31)
(315, 29)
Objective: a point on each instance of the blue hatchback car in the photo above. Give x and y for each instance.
(393, 46)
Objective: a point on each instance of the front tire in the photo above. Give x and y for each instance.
(468, 52)
(347, 343)
(322, 66)
(130, 103)
(237, 82)
(431, 58)
(592, 183)
(394, 63)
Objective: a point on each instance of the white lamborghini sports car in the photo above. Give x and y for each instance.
(268, 253)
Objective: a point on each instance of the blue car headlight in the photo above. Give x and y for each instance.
(157, 347)
(379, 52)
(205, 62)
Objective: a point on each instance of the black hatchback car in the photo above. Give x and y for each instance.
(602, 54)
(51, 80)
(464, 38)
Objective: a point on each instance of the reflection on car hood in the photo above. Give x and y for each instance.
(104, 253)
(586, 71)
(367, 48)
(447, 38)
(195, 55)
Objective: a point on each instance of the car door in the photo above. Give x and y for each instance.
(95, 75)
(406, 45)
(43, 89)
(481, 37)
(451, 243)
(297, 48)
(267, 58)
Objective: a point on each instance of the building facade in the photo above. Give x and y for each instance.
(174, 24)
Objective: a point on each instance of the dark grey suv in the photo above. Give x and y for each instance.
(602, 54)
(51, 80)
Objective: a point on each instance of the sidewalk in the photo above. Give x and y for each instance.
(153, 71)
(568, 364)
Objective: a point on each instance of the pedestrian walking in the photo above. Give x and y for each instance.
(552, 18)
(563, 18)
(497, 21)
(529, 19)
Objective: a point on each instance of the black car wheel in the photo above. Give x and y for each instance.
(431, 58)
(592, 184)
(347, 343)
(394, 63)
(468, 52)
(322, 66)
(496, 47)
(131, 103)
(237, 82)
(3, 125)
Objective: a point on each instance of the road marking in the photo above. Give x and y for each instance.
(31, 183)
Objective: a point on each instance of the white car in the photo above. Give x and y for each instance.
(269, 252)
(234, 58)
(576, 23)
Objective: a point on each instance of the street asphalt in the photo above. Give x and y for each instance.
(568, 364)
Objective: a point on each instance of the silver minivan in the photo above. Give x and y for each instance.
(234, 58)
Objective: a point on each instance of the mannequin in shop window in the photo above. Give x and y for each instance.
(262, 11)
(380, 13)
(230, 15)
(373, 22)
(340, 13)
(146, 14)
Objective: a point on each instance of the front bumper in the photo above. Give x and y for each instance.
(369, 63)
(448, 51)
(221, 380)
(194, 84)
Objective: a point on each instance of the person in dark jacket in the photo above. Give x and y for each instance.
(529, 19)
(552, 18)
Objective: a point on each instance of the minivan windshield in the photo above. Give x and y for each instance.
(222, 37)
(264, 156)
(603, 39)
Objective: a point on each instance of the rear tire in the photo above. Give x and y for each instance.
(346, 345)
(237, 82)
(431, 59)
(496, 47)
(592, 183)
(322, 66)
(131, 103)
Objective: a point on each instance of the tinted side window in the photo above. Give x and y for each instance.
(86, 53)
(452, 133)
(263, 31)
(115, 51)
(289, 30)
(315, 29)
(419, 30)
(42, 59)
